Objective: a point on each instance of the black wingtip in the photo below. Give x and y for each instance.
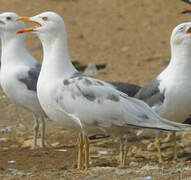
(186, 11)
(187, 1)
(188, 120)
(98, 136)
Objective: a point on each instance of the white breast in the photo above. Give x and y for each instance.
(53, 111)
(177, 88)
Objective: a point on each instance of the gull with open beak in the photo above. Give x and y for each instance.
(20, 72)
(80, 103)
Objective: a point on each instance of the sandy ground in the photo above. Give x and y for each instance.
(132, 38)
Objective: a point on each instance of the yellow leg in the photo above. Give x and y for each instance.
(80, 152)
(157, 143)
(86, 148)
(175, 149)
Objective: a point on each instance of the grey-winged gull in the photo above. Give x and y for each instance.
(169, 93)
(30, 80)
(127, 88)
(80, 103)
(19, 71)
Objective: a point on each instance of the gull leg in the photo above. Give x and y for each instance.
(86, 148)
(175, 149)
(43, 132)
(124, 151)
(157, 143)
(121, 154)
(80, 151)
(36, 128)
(168, 138)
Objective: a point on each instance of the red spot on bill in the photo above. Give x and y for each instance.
(20, 31)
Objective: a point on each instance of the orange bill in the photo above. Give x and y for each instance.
(27, 19)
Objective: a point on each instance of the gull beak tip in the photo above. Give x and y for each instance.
(20, 31)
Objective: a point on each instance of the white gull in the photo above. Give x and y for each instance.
(19, 71)
(80, 103)
(169, 94)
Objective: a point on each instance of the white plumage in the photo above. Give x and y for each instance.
(19, 70)
(169, 93)
(80, 103)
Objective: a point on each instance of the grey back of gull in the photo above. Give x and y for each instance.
(127, 88)
(151, 94)
(31, 80)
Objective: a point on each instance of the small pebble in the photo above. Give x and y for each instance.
(148, 178)
(124, 49)
(104, 152)
(60, 150)
(133, 164)
(3, 139)
(12, 161)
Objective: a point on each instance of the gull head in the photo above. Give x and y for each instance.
(48, 24)
(181, 35)
(8, 24)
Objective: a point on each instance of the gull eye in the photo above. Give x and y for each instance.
(45, 18)
(8, 18)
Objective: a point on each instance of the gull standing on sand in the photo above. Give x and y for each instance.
(19, 71)
(80, 103)
(169, 94)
